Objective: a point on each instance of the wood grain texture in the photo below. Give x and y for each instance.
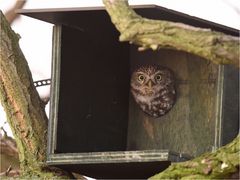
(189, 127)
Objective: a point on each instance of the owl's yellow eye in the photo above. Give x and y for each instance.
(158, 77)
(141, 78)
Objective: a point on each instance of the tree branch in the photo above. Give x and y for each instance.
(11, 15)
(220, 164)
(154, 34)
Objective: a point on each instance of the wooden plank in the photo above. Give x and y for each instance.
(190, 126)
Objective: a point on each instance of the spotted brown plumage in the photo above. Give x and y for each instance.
(153, 89)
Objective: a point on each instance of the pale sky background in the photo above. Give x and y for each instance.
(36, 36)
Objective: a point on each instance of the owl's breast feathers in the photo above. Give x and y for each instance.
(155, 104)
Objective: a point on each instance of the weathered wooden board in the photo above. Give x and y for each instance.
(190, 126)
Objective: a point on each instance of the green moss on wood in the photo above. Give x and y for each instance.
(220, 164)
(24, 108)
(154, 34)
(21, 102)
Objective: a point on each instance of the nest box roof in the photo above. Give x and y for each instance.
(67, 15)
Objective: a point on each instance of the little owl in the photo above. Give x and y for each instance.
(153, 89)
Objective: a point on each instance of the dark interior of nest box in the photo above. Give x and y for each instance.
(95, 111)
(94, 90)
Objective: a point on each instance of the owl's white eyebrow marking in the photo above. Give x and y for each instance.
(140, 73)
(158, 72)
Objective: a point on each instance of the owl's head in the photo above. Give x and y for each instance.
(150, 79)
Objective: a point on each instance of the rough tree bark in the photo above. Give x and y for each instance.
(25, 110)
(224, 163)
(154, 34)
(22, 104)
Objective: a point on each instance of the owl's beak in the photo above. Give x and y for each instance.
(148, 88)
(150, 84)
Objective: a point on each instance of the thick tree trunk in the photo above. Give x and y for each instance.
(21, 101)
(154, 34)
(22, 104)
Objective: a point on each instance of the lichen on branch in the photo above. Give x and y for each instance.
(24, 109)
(224, 163)
(22, 104)
(20, 100)
(154, 34)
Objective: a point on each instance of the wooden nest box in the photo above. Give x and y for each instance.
(95, 127)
